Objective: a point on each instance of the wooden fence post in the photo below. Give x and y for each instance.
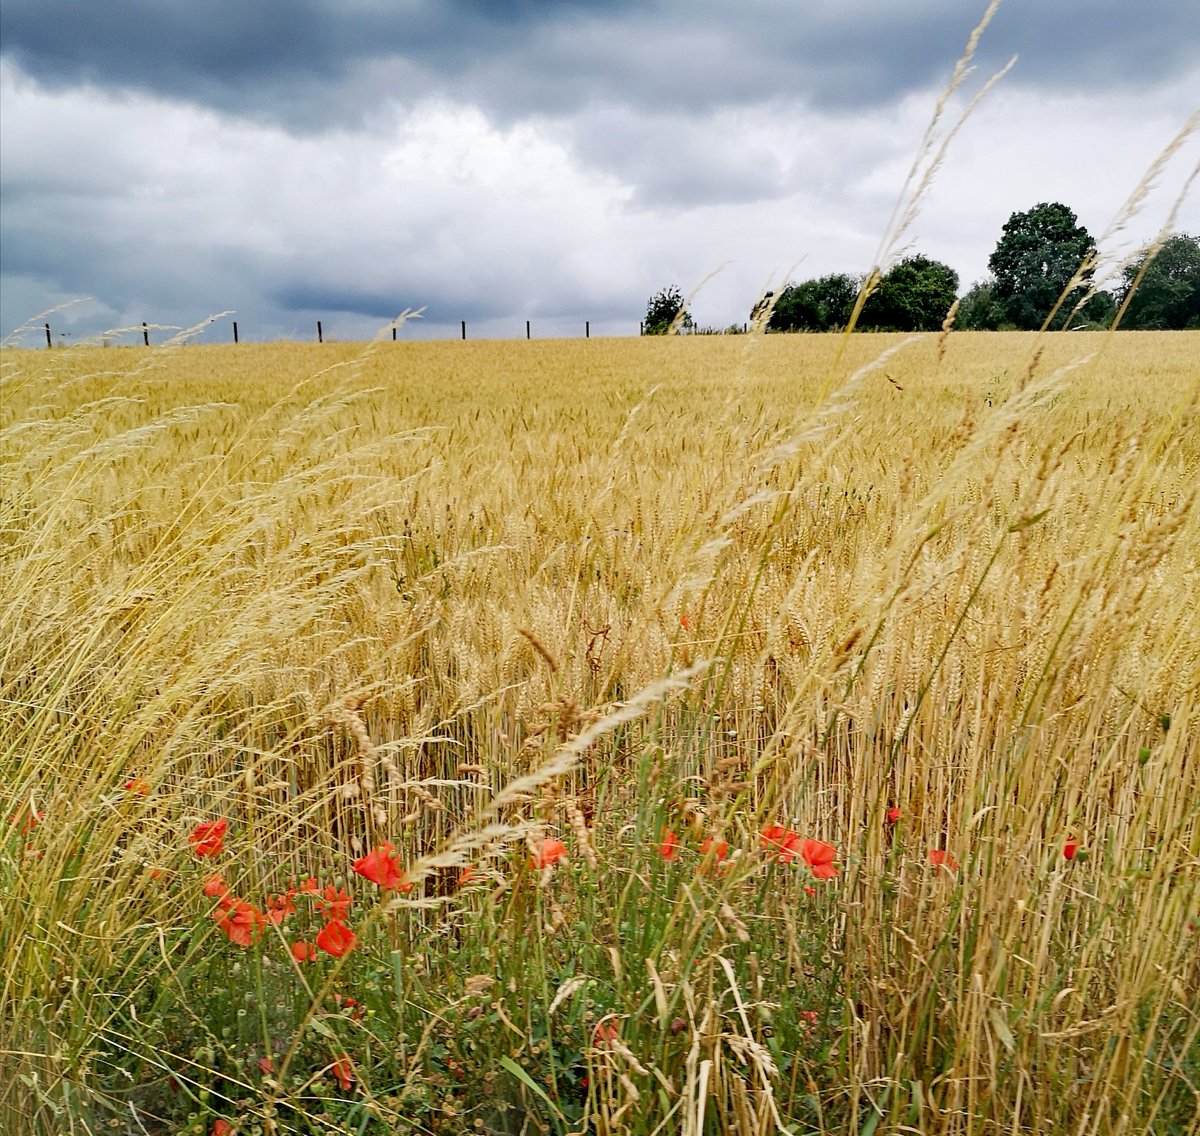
(145, 334)
(49, 341)
(320, 333)
(527, 336)
(393, 334)
(464, 329)
(587, 329)
(235, 338)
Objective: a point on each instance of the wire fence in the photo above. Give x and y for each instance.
(237, 337)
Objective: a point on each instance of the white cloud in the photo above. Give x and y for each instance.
(166, 211)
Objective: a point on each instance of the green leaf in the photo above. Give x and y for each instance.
(525, 1079)
(1000, 1025)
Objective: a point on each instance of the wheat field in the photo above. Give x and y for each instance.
(752, 734)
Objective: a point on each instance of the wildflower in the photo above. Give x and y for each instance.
(222, 1128)
(215, 888)
(819, 856)
(718, 849)
(940, 858)
(668, 847)
(550, 853)
(605, 1033)
(380, 867)
(266, 1065)
(26, 819)
(782, 842)
(343, 1070)
(279, 907)
(1070, 848)
(241, 922)
(137, 785)
(893, 815)
(208, 838)
(809, 891)
(304, 952)
(310, 887)
(808, 1019)
(466, 876)
(683, 622)
(336, 906)
(336, 939)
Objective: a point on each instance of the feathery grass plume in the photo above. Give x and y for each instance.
(930, 155)
(1085, 273)
(13, 338)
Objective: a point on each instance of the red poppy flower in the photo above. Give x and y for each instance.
(304, 952)
(810, 891)
(266, 1065)
(893, 815)
(668, 847)
(782, 843)
(241, 922)
(1070, 848)
(336, 939)
(683, 622)
(208, 838)
(466, 876)
(819, 856)
(380, 867)
(310, 887)
(336, 906)
(222, 1128)
(26, 819)
(940, 858)
(137, 785)
(604, 1033)
(215, 888)
(343, 1070)
(550, 853)
(718, 848)
(279, 907)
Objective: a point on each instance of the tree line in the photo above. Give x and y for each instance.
(1041, 273)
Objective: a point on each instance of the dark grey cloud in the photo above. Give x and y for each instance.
(313, 64)
(549, 159)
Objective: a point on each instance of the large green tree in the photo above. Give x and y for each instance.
(914, 295)
(1034, 261)
(663, 310)
(823, 304)
(1168, 295)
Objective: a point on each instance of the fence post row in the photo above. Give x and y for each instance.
(587, 331)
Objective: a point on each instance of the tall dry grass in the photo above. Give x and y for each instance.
(341, 596)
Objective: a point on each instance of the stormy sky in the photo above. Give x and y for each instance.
(550, 161)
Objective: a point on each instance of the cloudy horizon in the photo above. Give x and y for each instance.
(554, 162)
